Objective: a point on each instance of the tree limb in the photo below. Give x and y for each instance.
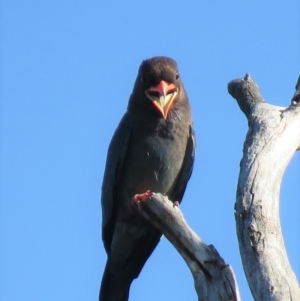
(214, 279)
(271, 141)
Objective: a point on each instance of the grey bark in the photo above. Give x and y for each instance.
(214, 279)
(272, 140)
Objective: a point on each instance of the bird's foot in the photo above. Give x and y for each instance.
(138, 198)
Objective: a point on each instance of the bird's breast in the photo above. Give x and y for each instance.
(153, 160)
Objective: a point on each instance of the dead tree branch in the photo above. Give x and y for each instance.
(214, 279)
(271, 141)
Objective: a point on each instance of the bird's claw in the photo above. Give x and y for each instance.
(138, 198)
(176, 204)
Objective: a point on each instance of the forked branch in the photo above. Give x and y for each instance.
(272, 140)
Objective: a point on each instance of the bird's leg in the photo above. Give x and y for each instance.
(138, 198)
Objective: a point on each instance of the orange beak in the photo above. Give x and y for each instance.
(162, 96)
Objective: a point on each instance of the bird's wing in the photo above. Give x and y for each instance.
(186, 169)
(115, 156)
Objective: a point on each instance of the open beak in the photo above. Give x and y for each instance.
(162, 96)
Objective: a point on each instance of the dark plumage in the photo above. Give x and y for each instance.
(152, 149)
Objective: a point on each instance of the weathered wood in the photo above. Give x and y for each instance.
(271, 141)
(214, 279)
(246, 92)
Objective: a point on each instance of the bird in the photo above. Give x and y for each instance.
(152, 149)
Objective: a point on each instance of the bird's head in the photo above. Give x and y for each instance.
(158, 80)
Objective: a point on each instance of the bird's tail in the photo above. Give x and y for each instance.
(114, 287)
(116, 283)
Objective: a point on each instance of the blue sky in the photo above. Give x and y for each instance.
(67, 70)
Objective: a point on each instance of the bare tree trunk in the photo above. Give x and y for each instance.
(272, 139)
(214, 279)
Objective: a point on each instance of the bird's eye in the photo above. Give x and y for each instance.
(143, 80)
(177, 75)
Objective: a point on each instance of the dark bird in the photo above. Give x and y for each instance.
(152, 149)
